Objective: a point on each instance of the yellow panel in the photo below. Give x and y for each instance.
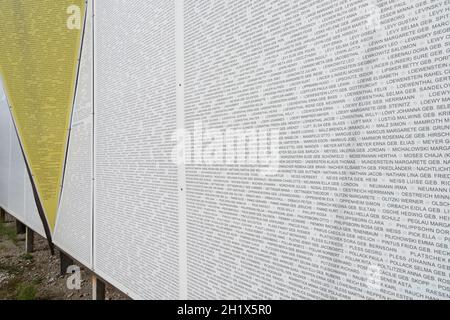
(38, 62)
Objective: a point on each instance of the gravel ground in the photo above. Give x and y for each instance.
(36, 276)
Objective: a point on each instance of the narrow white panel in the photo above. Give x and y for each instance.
(5, 148)
(73, 230)
(17, 178)
(136, 197)
(357, 204)
(16, 194)
(182, 240)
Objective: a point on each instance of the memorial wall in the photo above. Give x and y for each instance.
(254, 149)
(359, 205)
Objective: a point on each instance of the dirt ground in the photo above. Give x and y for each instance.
(36, 276)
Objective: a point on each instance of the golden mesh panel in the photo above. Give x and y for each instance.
(38, 62)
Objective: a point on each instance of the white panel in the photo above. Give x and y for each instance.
(16, 181)
(16, 194)
(5, 148)
(32, 219)
(358, 205)
(135, 216)
(73, 230)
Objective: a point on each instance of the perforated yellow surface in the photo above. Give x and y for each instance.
(38, 62)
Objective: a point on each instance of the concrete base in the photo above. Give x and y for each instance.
(98, 288)
(29, 240)
(65, 262)
(20, 227)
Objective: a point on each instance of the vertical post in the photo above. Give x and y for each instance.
(20, 227)
(98, 288)
(65, 262)
(29, 240)
(2, 216)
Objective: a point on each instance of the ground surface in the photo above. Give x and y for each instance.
(36, 276)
